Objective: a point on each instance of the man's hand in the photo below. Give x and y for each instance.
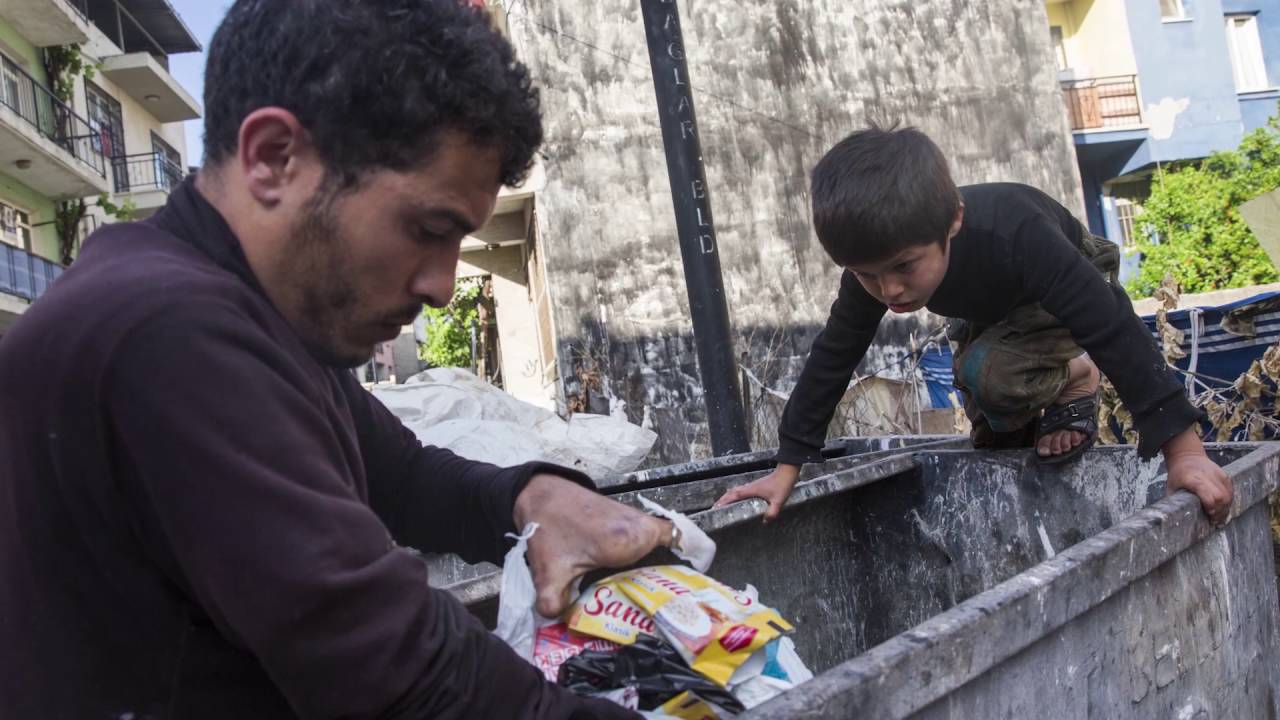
(1189, 468)
(773, 488)
(579, 531)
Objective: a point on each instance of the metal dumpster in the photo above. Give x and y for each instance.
(928, 582)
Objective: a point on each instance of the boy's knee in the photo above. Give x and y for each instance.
(1010, 388)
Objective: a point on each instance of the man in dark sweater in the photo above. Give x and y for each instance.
(202, 514)
(1036, 313)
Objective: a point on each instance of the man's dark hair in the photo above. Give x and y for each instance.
(880, 191)
(373, 81)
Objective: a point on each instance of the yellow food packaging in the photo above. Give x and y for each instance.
(604, 611)
(713, 627)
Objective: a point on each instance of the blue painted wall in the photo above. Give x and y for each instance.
(1186, 59)
(1256, 108)
(1268, 12)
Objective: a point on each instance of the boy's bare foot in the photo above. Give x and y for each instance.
(1083, 379)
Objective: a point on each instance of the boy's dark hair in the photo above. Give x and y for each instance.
(373, 81)
(880, 191)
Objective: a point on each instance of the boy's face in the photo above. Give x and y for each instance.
(906, 281)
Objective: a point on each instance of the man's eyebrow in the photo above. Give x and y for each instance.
(426, 214)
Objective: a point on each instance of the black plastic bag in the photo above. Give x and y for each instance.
(651, 666)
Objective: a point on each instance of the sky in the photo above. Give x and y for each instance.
(202, 17)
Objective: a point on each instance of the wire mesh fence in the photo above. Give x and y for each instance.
(889, 401)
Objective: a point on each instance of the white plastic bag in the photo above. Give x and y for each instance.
(518, 621)
(696, 547)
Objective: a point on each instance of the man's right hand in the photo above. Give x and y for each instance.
(773, 488)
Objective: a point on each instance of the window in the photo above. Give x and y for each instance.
(106, 120)
(1245, 50)
(169, 172)
(1059, 47)
(15, 226)
(1127, 212)
(1172, 10)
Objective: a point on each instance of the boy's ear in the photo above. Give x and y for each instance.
(956, 223)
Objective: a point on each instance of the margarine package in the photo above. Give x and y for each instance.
(713, 627)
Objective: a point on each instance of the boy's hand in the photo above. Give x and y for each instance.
(580, 532)
(1189, 468)
(773, 488)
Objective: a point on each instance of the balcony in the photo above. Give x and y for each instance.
(148, 82)
(44, 143)
(47, 22)
(23, 276)
(1103, 103)
(145, 180)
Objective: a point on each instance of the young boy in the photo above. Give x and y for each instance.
(1035, 309)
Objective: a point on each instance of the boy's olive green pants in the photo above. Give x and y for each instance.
(1011, 371)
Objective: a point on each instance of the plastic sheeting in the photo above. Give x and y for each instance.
(451, 408)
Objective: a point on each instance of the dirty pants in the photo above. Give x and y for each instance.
(1009, 372)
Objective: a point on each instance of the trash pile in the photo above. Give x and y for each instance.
(452, 408)
(666, 640)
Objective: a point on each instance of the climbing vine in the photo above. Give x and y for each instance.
(63, 64)
(66, 220)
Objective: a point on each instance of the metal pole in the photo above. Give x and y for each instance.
(698, 249)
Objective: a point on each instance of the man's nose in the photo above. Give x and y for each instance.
(434, 284)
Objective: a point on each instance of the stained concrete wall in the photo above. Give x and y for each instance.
(776, 83)
(517, 326)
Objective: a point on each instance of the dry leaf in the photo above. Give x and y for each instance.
(1250, 385)
(1271, 362)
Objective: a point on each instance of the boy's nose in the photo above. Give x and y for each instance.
(890, 290)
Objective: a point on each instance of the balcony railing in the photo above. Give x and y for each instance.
(1103, 102)
(25, 275)
(149, 171)
(50, 117)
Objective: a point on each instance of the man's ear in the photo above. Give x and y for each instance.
(274, 152)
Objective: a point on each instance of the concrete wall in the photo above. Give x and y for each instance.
(517, 331)
(44, 238)
(776, 83)
(138, 122)
(21, 51)
(1096, 37)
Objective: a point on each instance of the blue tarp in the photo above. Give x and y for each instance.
(935, 366)
(1223, 354)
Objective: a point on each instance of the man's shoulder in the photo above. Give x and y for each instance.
(129, 274)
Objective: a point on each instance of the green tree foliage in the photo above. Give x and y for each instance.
(1191, 226)
(449, 329)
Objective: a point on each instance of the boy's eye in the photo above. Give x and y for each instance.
(905, 267)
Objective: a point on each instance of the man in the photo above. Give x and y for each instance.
(202, 514)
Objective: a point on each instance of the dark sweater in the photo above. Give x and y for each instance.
(199, 520)
(1017, 246)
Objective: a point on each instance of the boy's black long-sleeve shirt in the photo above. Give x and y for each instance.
(200, 520)
(1016, 246)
